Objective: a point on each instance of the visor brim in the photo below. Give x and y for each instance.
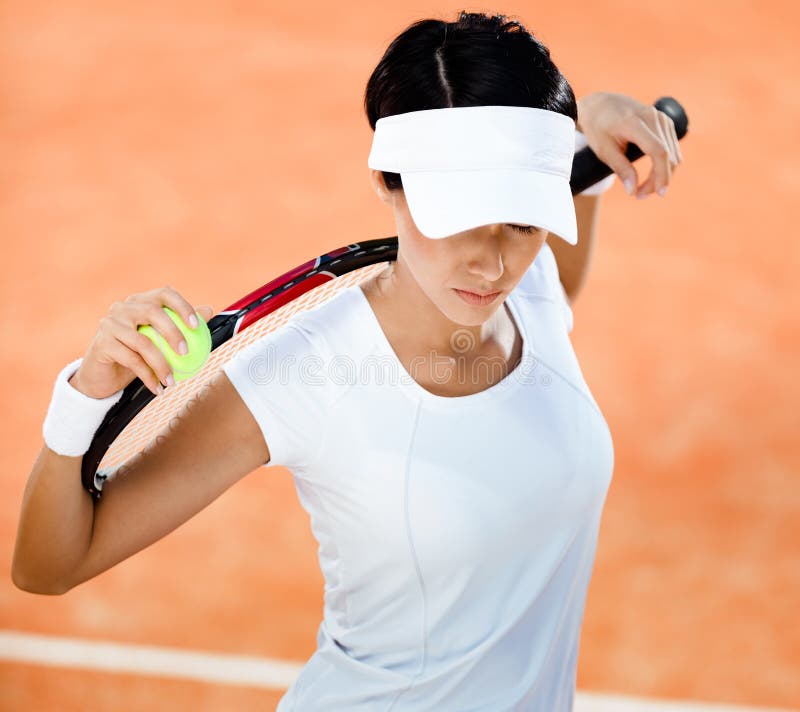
(446, 202)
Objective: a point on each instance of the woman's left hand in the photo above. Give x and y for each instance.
(609, 121)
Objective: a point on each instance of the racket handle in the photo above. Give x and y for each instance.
(587, 168)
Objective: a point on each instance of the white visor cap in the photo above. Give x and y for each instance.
(463, 167)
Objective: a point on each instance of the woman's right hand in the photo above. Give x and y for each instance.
(119, 352)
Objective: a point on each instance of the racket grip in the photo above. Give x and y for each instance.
(588, 169)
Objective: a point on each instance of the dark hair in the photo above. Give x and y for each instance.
(478, 60)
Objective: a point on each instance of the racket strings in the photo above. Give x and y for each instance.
(160, 414)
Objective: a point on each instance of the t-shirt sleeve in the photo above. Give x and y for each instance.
(550, 267)
(280, 379)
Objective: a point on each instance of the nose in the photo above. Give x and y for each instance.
(486, 257)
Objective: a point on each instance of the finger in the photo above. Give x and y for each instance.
(160, 321)
(672, 137)
(664, 129)
(153, 314)
(663, 166)
(652, 144)
(671, 140)
(134, 361)
(206, 311)
(648, 186)
(133, 313)
(610, 152)
(174, 300)
(168, 296)
(137, 342)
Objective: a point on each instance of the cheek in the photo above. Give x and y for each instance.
(423, 255)
(528, 252)
(521, 254)
(427, 259)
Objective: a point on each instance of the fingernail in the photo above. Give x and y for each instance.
(170, 380)
(159, 389)
(182, 348)
(629, 185)
(662, 191)
(193, 321)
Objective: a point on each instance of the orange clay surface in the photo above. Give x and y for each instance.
(212, 146)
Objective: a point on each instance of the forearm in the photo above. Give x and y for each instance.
(574, 260)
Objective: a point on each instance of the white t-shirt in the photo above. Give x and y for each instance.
(456, 534)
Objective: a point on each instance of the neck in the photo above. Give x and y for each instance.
(406, 304)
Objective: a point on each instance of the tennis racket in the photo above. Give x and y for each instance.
(139, 417)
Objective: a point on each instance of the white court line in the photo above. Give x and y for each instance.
(147, 660)
(251, 671)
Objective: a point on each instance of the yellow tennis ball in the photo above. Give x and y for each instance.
(198, 342)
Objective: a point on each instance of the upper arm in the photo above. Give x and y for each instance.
(213, 443)
(567, 297)
(574, 261)
(555, 284)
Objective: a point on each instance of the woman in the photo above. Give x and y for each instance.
(456, 505)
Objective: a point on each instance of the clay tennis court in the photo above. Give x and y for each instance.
(213, 146)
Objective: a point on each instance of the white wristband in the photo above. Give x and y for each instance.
(602, 185)
(73, 417)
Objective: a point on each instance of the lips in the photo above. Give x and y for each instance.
(478, 294)
(477, 298)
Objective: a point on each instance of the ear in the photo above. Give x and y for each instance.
(376, 178)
